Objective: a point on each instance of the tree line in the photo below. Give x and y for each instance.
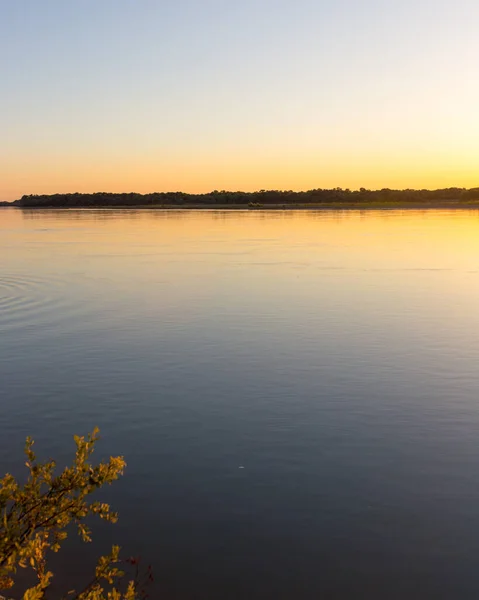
(254, 199)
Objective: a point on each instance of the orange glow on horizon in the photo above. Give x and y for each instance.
(146, 176)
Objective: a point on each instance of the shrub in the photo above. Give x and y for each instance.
(35, 517)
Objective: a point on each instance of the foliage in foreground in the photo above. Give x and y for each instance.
(35, 518)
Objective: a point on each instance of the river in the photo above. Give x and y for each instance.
(296, 393)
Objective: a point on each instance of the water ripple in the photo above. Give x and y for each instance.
(32, 300)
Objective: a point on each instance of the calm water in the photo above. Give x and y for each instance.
(334, 356)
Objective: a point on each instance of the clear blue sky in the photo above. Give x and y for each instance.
(195, 95)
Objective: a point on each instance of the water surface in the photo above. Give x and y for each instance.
(332, 355)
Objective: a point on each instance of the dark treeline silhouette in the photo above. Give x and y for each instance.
(252, 199)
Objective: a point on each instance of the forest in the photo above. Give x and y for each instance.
(257, 199)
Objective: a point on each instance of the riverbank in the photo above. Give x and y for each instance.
(335, 198)
(436, 205)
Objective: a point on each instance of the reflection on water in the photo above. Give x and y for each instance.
(333, 355)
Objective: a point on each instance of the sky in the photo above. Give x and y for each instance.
(197, 95)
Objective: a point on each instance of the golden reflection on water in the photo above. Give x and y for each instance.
(408, 238)
(425, 262)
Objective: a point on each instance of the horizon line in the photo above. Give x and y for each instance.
(258, 191)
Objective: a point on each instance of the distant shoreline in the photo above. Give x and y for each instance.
(314, 199)
(338, 206)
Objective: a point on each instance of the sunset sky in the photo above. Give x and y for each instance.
(196, 95)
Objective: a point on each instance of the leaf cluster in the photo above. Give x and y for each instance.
(35, 517)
